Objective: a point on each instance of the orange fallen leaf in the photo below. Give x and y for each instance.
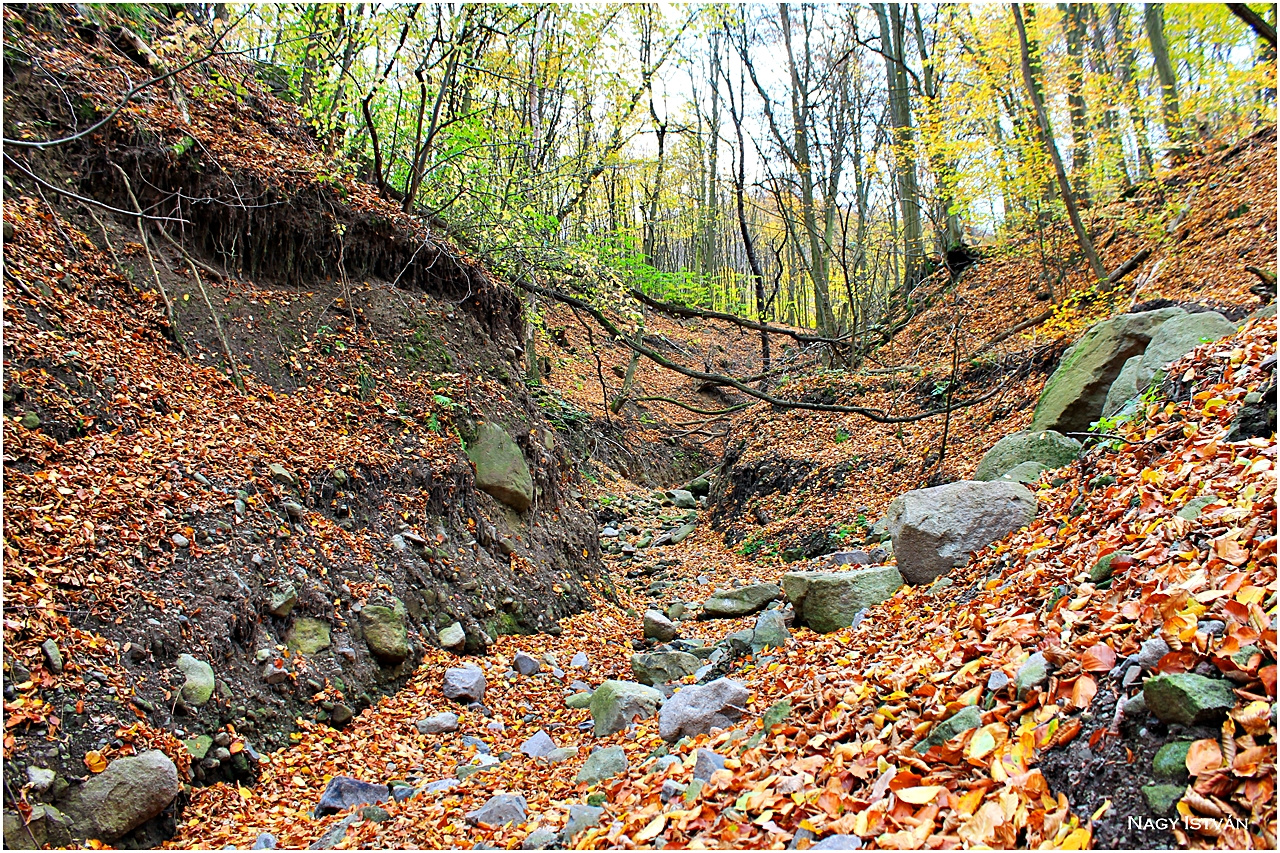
(1203, 756)
(919, 795)
(94, 760)
(1098, 658)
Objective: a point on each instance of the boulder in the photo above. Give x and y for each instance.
(658, 627)
(198, 688)
(602, 764)
(541, 838)
(308, 636)
(847, 558)
(1178, 337)
(1024, 472)
(1049, 448)
(828, 601)
(742, 601)
(1187, 698)
(658, 668)
(578, 701)
(697, 709)
(700, 487)
(453, 637)
(615, 703)
(500, 467)
(464, 684)
(438, 724)
(1076, 392)
(770, 631)
(1124, 388)
(121, 798)
(498, 810)
(936, 529)
(343, 792)
(385, 633)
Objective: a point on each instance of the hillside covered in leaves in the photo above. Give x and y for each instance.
(327, 525)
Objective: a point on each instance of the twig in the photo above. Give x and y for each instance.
(69, 194)
(217, 324)
(105, 238)
(168, 303)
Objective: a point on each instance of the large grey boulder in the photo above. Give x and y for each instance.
(121, 798)
(828, 601)
(1075, 393)
(581, 817)
(1178, 337)
(464, 684)
(1024, 472)
(697, 709)
(936, 529)
(385, 632)
(1051, 449)
(742, 601)
(500, 467)
(614, 704)
(1124, 388)
(199, 684)
(658, 668)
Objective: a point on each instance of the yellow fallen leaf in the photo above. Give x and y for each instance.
(920, 794)
(652, 830)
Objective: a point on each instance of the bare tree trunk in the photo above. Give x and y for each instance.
(1153, 20)
(1077, 32)
(1128, 80)
(1046, 134)
(891, 43)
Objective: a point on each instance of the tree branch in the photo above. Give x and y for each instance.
(1255, 21)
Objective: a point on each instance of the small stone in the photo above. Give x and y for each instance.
(658, 627)
(770, 631)
(538, 746)
(40, 779)
(526, 664)
(967, 718)
(199, 685)
(265, 841)
(464, 684)
(578, 701)
(603, 764)
(560, 754)
(670, 790)
(707, 763)
(1187, 698)
(453, 637)
(273, 674)
(1102, 570)
(1033, 672)
(580, 661)
(1170, 761)
(581, 817)
(343, 792)
(282, 599)
(540, 839)
(500, 809)
(52, 655)
(1162, 799)
(180, 541)
(699, 708)
(997, 681)
(839, 842)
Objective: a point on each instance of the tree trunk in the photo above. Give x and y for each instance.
(1129, 84)
(1077, 32)
(1046, 134)
(1153, 20)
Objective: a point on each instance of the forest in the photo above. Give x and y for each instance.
(639, 426)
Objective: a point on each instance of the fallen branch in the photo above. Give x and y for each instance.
(1267, 276)
(1010, 332)
(1129, 266)
(693, 409)
(877, 415)
(704, 314)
